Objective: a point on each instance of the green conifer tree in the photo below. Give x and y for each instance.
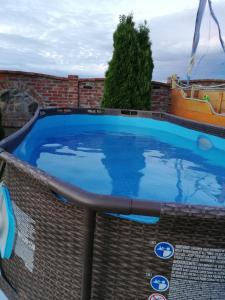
(146, 67)
(121, 77)
(127, 82)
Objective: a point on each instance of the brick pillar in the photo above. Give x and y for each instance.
(73, 96)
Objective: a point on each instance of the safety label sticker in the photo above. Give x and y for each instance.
(156, 296)
(164, 250)
(25, 241)
(159, 283)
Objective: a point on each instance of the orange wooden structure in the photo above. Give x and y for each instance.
(190, 104)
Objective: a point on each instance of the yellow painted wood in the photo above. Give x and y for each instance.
(199, 110)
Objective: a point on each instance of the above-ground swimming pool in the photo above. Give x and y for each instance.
(128, 207)
(138, 158)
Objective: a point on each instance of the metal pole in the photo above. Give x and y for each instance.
(90, 218)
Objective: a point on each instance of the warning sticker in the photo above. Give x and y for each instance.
(159, 283)
(156, 296)
(24, 246)
(164, 250)
(203, 264)
(197, 271)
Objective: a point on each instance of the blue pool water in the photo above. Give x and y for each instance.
(134, 157)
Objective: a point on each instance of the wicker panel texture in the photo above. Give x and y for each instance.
(124, 258)
(54, 231)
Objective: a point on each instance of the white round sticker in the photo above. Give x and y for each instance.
(156, 296)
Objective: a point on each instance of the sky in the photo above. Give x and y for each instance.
(62, 37)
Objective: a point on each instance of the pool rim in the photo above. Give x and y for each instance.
(98, 202)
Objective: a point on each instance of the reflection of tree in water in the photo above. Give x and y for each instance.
(125, 178)
(124, 184)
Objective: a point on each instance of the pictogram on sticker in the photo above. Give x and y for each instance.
(156, 296)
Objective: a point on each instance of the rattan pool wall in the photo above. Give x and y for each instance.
(124, 258)
(58, 236)
(52, 234)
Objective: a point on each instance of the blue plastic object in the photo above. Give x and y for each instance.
(7, 223)
(138, 218)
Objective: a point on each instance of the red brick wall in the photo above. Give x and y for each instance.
(50, 91)
(46, 89)
(207, 82)
(71, 91)
(91, 93)
(160, 99)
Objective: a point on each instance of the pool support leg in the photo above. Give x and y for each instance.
(89, 224)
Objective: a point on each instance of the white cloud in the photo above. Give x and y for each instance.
(61, 37)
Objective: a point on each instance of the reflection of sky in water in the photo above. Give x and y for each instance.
(134, 163)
